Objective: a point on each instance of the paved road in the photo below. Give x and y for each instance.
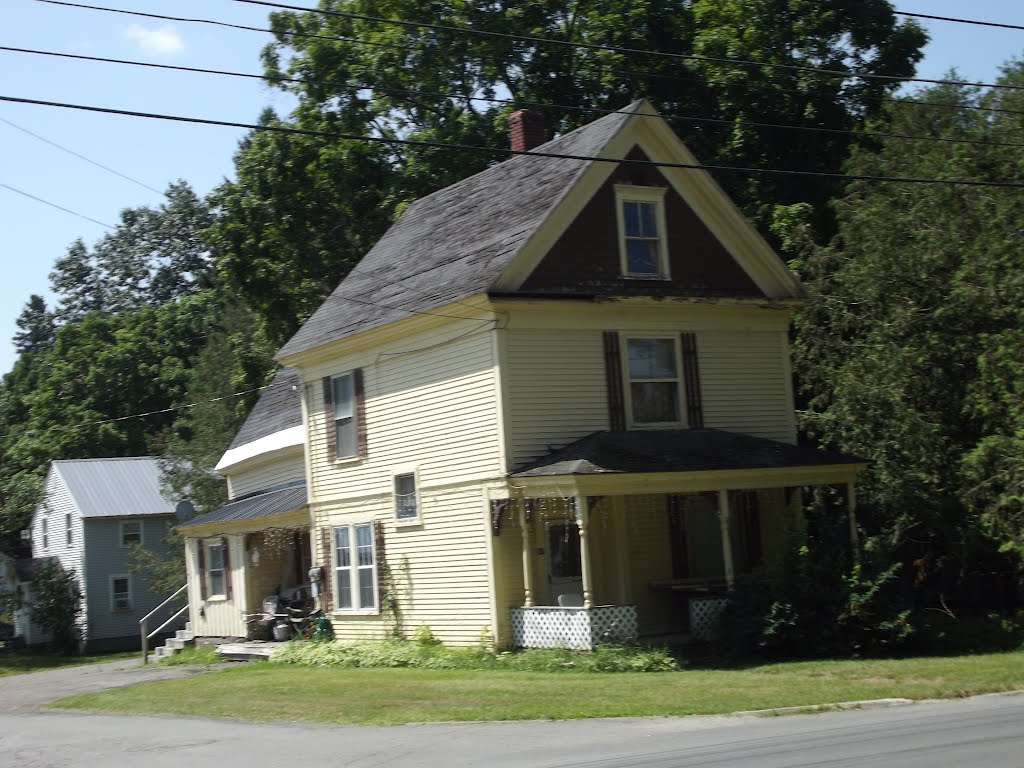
(985, 732)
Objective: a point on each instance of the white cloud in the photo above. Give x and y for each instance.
(161, 41)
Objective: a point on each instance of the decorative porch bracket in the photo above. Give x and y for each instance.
(498, 507)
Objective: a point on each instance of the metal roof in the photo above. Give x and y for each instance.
(676, 450)
(256, 505)
(114, 487)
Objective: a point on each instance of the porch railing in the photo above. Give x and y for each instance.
(144, 622)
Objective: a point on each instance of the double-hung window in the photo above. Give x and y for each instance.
(345, 426)
(654, 381)
(120, 593)
(216, 580)
(643, 249)
(355, 568)
(67, 527)
(130, 532)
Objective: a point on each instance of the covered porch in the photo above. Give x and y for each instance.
(250, 549)
(626, 535)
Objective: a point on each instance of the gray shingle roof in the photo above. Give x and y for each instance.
(114, 487)
(676, 450)
(278, 408)
(256, 505)
(455, 242)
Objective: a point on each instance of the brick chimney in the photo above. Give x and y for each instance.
(526, 129)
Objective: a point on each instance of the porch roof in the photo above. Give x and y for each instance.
(273, 501)
(676, 450)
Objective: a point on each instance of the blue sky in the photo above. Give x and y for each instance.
(156, 153)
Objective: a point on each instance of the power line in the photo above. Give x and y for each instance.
(614, 49)
(157, 412)
(997, 24)
(515, 102)
(506, 151)
(54, 205)
(541, 40)
(79, 156)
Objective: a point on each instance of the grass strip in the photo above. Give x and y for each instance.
(265, 692)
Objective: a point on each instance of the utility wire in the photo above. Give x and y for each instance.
(542, 40)
(506, 151)
(79, 156)
(513, 102)
(157, 412)
(54, 205)
(397, 46)
(611, 48)
(997, 24)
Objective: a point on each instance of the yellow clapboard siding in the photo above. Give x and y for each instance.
(283, 469)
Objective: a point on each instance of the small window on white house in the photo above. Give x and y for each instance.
(121, 593)
(406, 502)
(67, 527)
(130, 532)
(46, 537)
(355, 568)
(215, 578)
(343, 395)
(643, 248)
(654, 382)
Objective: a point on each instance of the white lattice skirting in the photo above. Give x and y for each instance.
(580, 629)
(704, 613)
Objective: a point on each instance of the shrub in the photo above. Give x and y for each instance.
(57, 605)
(400, 653)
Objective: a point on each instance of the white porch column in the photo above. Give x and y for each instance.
(724, 514)
(583, 521)
(851, 510)
(527, 555)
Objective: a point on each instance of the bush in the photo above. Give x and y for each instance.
(400, 653)
(819, 602)
(57, 605)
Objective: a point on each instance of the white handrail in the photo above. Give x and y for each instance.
(144, 622)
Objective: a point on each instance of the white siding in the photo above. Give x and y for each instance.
(217, 616)
(56, 504)
(265, 475)
(745, 383)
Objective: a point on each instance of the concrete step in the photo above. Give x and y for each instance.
(188, 626)
(184, 634)
(175, 644)
(162, 651)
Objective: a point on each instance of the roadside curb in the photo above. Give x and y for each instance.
(839, 706)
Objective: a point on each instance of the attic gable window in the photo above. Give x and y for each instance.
(643, 249)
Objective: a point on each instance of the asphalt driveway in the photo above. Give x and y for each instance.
(20, 693)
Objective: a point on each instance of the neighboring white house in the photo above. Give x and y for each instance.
(91, 513)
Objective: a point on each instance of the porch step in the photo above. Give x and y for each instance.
(175, 643)
(185, 634)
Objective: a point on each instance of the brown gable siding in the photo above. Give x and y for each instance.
(585, 260)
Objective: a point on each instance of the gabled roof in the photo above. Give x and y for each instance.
(676, 450)
(114, 487)
(455, 242)
(279, 408)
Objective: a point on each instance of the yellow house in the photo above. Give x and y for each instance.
(553, 405)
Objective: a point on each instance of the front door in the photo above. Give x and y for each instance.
(565, 574)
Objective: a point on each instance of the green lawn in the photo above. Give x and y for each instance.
(393, 696)
(20, 662)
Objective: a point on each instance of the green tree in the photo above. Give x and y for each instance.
(303, 209)
(35, 327)
(56, 605)
(908, 351)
